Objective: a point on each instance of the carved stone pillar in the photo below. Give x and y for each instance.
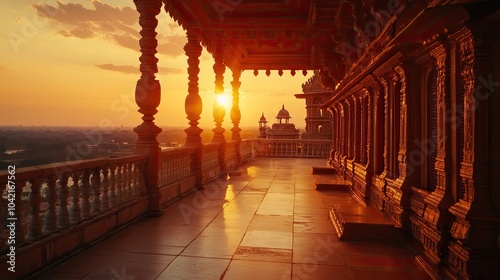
(368, 134)
(385, 89)
(350, 128)
(356, 129)
(147, 97)
(436, 215)
(193, 103)
(378, 157)
(235, 109)
(362, 131)
(343, 134)
(219, 110)
(403, 133)
(337, 135)
(476, 225)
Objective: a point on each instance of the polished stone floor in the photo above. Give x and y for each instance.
(268, 223)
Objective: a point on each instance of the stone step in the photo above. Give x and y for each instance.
(323, 170)
(356, 222)
(331, 185)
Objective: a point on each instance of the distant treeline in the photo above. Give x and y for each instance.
(44, 145)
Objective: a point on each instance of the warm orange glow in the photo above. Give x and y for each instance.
(78, 89)
(224, 100)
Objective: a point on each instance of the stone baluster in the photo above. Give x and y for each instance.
(112, 186)
(20, 233)
(85, 193)
(62, 195)
(105, 189)
(118, 185)
(123, 182)
(35, 225)
(128, 180)
(74, 210)
(136, 183)
(125, 189)
(50, 218)
(131, 172)
(147, 97)
(96, 188)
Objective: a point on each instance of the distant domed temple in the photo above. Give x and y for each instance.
(282, 129)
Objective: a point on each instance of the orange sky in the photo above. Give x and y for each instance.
(76, 63)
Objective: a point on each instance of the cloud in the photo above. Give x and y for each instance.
(130, 69)
(78, 32)
(116, 24)
(3, 69)
(169, 45)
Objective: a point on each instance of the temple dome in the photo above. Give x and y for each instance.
(283, 113)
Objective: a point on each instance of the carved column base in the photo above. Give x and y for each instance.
(398, 202)
(361, 182)
(147, 144)
(377, 193)
(154, 206)
(222, 158)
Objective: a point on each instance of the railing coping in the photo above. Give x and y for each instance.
(211, 145)
(293, 140)
(177, 150)
(35, 172)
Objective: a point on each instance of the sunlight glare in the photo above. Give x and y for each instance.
(224, 100)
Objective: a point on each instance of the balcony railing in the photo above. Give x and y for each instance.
(292, 148)
(175, 165)
(59, 208)
(50, 198)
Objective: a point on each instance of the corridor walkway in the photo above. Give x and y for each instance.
(268, 223)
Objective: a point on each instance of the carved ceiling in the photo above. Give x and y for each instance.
(264, 34)
(336, 36)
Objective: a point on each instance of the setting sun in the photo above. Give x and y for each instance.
(224, 100)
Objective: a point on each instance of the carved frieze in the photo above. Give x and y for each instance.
(439, 55)
(385, 88)
(402, 121)
(467, 75)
